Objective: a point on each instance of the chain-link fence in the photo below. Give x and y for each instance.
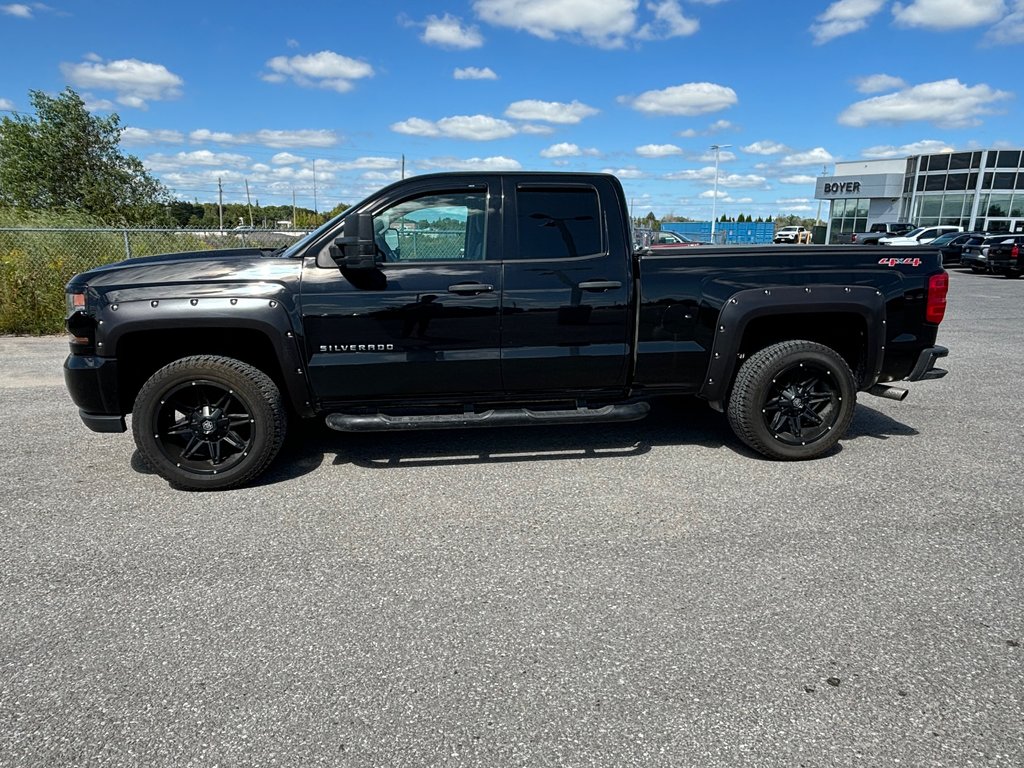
(37, 262)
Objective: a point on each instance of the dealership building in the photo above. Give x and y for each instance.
(977, 190)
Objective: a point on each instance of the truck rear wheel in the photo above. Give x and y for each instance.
(208, 422)
(792, 400)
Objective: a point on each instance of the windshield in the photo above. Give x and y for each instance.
(302, 242)
(913, 232)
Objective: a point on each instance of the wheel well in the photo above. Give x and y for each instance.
(145, 352)
(845, 332)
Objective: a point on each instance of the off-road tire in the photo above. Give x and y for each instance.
(209, 422)
(793, 400)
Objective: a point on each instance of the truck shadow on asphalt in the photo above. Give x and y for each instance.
(677, 421)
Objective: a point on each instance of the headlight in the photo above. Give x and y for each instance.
(75, 302)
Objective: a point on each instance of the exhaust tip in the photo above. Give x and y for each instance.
(899, 394)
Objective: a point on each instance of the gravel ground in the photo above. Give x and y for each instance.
(643, 594)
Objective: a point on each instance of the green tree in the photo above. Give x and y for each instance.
(66, 159)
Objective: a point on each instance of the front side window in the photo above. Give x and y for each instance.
(558, 222)
(443, 226)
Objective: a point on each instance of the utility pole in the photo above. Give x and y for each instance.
(248, 201)
(294, 222)
(716, 148)
(403, 165)
(316, 211)
(817, 218)
(220, 201)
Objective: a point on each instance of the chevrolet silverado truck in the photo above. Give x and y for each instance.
(463, 300)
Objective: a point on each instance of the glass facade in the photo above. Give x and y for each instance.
(849, 215)
(980, 188)
(977, 190)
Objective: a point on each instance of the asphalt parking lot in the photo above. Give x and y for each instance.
(644, 594)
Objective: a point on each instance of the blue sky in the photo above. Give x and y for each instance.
(342, 90)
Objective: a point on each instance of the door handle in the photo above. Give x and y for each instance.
(599, 285)
(470, 288)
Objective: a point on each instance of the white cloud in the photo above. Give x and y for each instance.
(474, 73)
(1009, 31)
(140, 137)
(923, 147)
(948, 14)
(203, 158)
(765, 148)
(947, 103)
(658, 150)
(785, 200)
(561, 150)
(724, 197)
(20, 10)
(687, 99)
(550, 111)
(135, 82)
(707, 175)
(498, 163)
(471, 127)
(799, 178)
(816, 156)
(878, 83)
(286, 158)
(605, 23)
(688, 133)
(268, 138)
(625, 173)
(325, 69)
(362, 163)
(448, 32)
(718, 125)
(7, 104)
(843, 18)
(669, 21)
(724, 156)
(536, 130)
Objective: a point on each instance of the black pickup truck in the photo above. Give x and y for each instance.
(458, 300)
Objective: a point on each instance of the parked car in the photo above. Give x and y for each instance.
(975, 254)
(672, 240)
(792, 234)
(877, 231)
(951, 245)
(920, 236)
(1005, 257)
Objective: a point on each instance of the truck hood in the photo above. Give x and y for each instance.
(232, 265)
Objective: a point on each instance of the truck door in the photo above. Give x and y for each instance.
(566, 321)
(426, 321)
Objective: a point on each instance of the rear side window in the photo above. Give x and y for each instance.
(558, 222)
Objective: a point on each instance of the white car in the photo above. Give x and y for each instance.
(920, 236)
(792, 234)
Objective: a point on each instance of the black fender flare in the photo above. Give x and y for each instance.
(267, 316)
(745, 306)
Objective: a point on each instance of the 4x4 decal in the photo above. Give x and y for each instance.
(914, 262)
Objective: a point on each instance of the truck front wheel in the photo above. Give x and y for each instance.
(208, 422)
(792, 400)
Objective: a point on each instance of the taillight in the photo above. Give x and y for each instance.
(938, 287)
(1015, 251)
(853, 238)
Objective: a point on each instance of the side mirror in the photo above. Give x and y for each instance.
(355, 249)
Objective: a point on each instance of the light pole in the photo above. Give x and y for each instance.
(714, 200)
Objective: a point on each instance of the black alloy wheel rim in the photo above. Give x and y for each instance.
(204, 427)
(803, 404)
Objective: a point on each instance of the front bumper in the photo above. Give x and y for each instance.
(925, 368)
(92, 384)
